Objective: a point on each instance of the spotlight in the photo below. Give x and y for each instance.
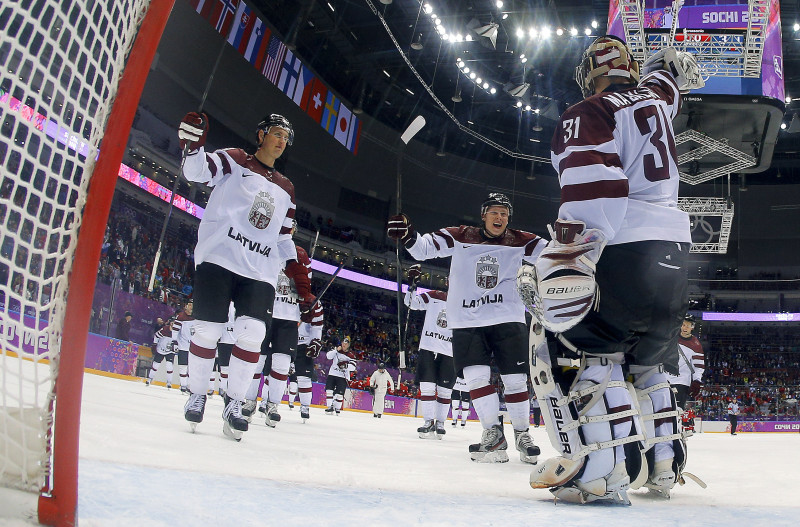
(573, 31)
(594, 24)
(487, 34)
(587, 31)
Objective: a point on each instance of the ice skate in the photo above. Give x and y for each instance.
(194, 409)
(528, 451)
(492, 448)
(248, 409)
(169, 386)
(454, 423)
(235, 424)
(185, 390)
(440, 431)
(613, 489)
(210, 393)
(147, 382)
(338, 412)
(329, 410)
(463, 424)
(291, 405)
(427, 431)
(662, 478)
(273, 417)
(304, 413)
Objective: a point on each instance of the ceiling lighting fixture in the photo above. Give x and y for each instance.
(428, 9)
(493, 91)
(559, 32)
(487, 34)
(499, 4)
(573, 31)
(594, 24)
(417, 44)
(520, 32)
(587, 31)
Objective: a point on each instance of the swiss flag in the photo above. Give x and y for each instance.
(315, 103)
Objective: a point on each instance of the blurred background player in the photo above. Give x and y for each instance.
(615, 157)
(309, 345)
(182, 328)
(292, 386)
(164, 351)
(244, 240)
(342, 365)
(733, 415)
(380, 383)
(459, 402)
(691, 364)
(536, 409)
(435, 370)
(486, 316)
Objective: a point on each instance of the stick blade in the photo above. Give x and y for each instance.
(415, 126)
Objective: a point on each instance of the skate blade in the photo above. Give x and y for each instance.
(193, 426)
(427, 435)
(498, 456)
(693, 478)
(270, 423)
(236, 435)
(532, 460)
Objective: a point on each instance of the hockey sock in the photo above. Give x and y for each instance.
(153, 370)
(304, 390)
(183, 372)
(454, 405)
(464, 411)
(329, 398)
(170, 371)
(255, 384)
(223, 378)
(518, 404)
(484, 396)
(442, 402)
(278, 376)
(242, 367)
(201, 363)
(427, 400)
(292, 392)
(338, 401)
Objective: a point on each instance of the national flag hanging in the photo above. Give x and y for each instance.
(272, 65)
(200, 5)
(330, 114)
(289, 74)
(342, 124)
(303, 89)
(354, 135)
(315, 105)
(244, 22)
(257, 44)
(222, 14)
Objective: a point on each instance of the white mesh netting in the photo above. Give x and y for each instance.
(60, 65)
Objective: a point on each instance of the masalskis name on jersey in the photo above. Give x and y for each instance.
(629, 97)
(247, 243)
(488, 299)
(438, 336)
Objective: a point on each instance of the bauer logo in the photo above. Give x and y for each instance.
(262, 210)
(487, 272)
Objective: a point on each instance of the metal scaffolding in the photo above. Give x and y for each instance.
(698, 209)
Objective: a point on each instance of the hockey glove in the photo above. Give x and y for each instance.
(694, 389)
(314, 347)
(414, 274)
(192, 131)
(306, 305)
(681, 64)
(400, 228)
(559, 290)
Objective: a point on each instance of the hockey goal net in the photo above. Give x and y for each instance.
(71, 73)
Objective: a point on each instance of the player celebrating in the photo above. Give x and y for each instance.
(486, 315)
(435, 369)
(244, 239)
(615, 156)
(691, 364)
(342, 364)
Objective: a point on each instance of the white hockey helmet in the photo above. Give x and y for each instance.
(278, 121)
(607, 56)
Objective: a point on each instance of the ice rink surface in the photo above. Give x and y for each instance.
(141, 465)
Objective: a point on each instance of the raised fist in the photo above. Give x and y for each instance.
(399, 228)
(314, 347)
(694, 389)
(193, 130)
(414, 274)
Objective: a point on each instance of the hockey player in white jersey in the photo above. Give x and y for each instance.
(460, 402)
(309, 344)
(620, 232)
(435, 370)
(244, 239)
(164, 353)
(342, 364)
(182, 329)
(380, 383)
(486, 315)
(223, 358)
(691, 364)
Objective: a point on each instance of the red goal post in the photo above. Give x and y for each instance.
(71, 74)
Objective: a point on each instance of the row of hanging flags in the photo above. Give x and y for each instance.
(269, 55)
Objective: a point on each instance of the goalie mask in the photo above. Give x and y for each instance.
(277, 121)
(607, 56)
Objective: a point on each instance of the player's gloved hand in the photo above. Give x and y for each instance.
(192, 131)
(306, 303)
(414, 274)
(313, 349)
(559, 289)
(694, 389)
(681, 64)
(399, 228)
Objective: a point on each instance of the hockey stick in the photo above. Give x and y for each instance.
(184, 153)
(314, 246)
(412, 130)
(335, 274)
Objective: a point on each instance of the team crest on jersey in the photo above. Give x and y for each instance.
(285, 286)
(486, 272)
(262, 210)
(441, 320)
